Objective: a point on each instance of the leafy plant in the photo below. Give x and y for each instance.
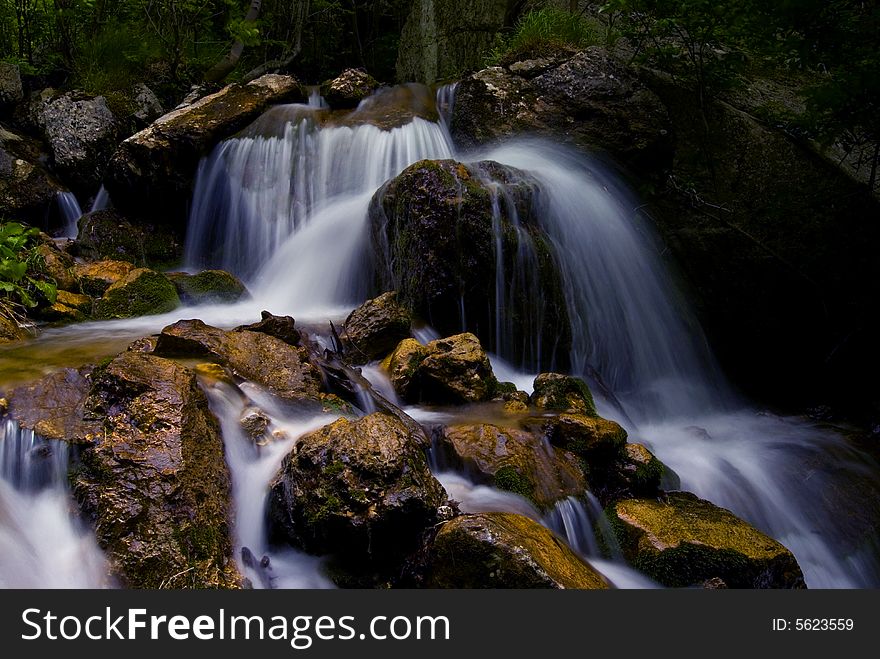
(544, 31)
(19, 263)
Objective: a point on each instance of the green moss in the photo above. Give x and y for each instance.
(509, 479)
(208, 285)
(141, 293)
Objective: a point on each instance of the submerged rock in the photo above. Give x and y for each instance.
(588, 98)
(435, 230)
(685, 541)
(516, 461)
(375, 328)
(503, 550)
(141, 292)
(349, 88)
(152, 171)
(154, 477)
(208, 286)
(360, 489)
(284, 369)
(108, 235)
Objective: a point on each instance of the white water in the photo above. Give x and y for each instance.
(70, 211)
(42, 544)
(102, 200)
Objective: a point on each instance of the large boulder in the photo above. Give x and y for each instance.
(284, 369)
(503, 550)
(141, 292)
(360, 490)
(375, 328)
(53, 407)
(589, 99)
(154, 478)
(27, 190)
(81, 132)
(442, 39)
(436, 229)
(11, 92)
(208, 286)
(348, 88)
(514, 460)
(684, 541)
(454, 370)
(106, 234)
(152, 171)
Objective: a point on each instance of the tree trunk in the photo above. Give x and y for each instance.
(225, 66)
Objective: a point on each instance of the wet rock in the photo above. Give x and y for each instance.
(456, 370)
(141, 292)
(154, 479)
(593, 438)
(208, 286)
(11, 331)
(107, 234)
(284, 369)
(81, 132)
(562, 393)
(95, 278)
(684, 541)
(255, 424)
(11, 92)
(60, 313)
(436, 228)
(76, 301)
(349, 88)
(27, 191)
(360, 489)
(375, 328)
(503, 550)
(151, 172)
(281, 327)
(54, 405)
(58, 265)
(516, 461)
(402, 367)
(588, 98)
(641, 470)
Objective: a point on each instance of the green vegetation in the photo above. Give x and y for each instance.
(21, 285)
(544, 31)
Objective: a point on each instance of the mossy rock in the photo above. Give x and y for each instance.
(141, 292)
(61, 313)
(456, 370)
(684, 541)
(562, 393)
(402, 367)
(94, 279)
(75, 301)
(504, 550)
(10, 330)
(208, 286)
(106, 234)
(375, 328)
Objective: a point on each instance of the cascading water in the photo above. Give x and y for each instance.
(41, 541)
(70, 211)
(102, 200)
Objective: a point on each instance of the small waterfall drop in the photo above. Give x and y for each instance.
(70, 211)
(102, 200)
(42, 543)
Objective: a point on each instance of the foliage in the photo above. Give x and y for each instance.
(19, 262)
(542, 31)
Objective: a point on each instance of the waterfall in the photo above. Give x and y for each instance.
(42, 544)
(102, 200)
(70, 212)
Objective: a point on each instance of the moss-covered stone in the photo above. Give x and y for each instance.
(456, 370)
(94, 279)
(75, 301)
(503, 550)
(154, 477)
(375, 328)
(61, 313)
(141, 292)
(10, 330)
(360, 490)
(402, 367)
(685, 541)
(562, 393)
(108, 235)
(57, 265)
(514, 460)
(208, 286)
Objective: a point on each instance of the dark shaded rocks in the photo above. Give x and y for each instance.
(348, 88)
(503, 550)
(27, 190)
(375, 328)
(11, 92)
(106, 234)
(208, 286)
(436, 230)
(454, 370)
(151, 172)
(684, 541)
(515, 461)
(441, 40)
(360, 490)
(141, 292)
(589, 99)
(282, 368)
(147, 105)
(154, 478)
